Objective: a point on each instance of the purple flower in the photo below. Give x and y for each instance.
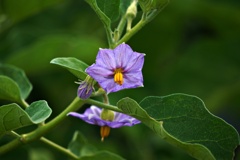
(117, 69)
(85, 88)
(92, 115)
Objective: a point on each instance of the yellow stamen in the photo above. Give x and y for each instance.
(118, 76)
(104, 131)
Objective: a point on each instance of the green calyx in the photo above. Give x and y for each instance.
(107, 115)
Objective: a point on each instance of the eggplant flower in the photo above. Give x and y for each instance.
(117, 69)
(92, 115)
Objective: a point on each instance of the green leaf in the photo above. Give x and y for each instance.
(39, 111)
(184, 121)
(150, 5)
(79, 145)
(12, 116)
(102, 155)
(19, 77)
(110, 8)
(9, 89)
(75, 66)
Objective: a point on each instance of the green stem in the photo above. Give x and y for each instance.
(15, 134)
(51, 144)
(41, 130)
(24, 103)
(144, 20)
(133, 31)
(121, 27)
(59, 148)
(103, 105)
(105, 99)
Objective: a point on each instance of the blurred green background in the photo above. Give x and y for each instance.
(192, 47)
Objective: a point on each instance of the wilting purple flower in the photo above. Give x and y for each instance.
(85, 88)
(117, 69)
(92, 115)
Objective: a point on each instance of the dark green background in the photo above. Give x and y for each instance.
(192, 47)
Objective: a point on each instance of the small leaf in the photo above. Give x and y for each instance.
(110, 8)
(100, 155)
(13, 117)
(9, 89)
(19, 77)
(39, 111)
(183, 121)
(75, 66)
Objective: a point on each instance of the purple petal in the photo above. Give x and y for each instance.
(91, 116)
(133, 80)
(103, 76)
(106, 59)
(96, 70)
(135, 62)
(121, 120)
(122, 54)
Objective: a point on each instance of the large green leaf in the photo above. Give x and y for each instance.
(12, 116)
(9, 89)
(184, 121)
(19, 77)
(74, 65)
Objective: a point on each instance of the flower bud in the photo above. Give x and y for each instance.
(132, 10)
(86, 87)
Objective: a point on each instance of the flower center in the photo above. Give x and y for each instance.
(104, 131)
(118, 76)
